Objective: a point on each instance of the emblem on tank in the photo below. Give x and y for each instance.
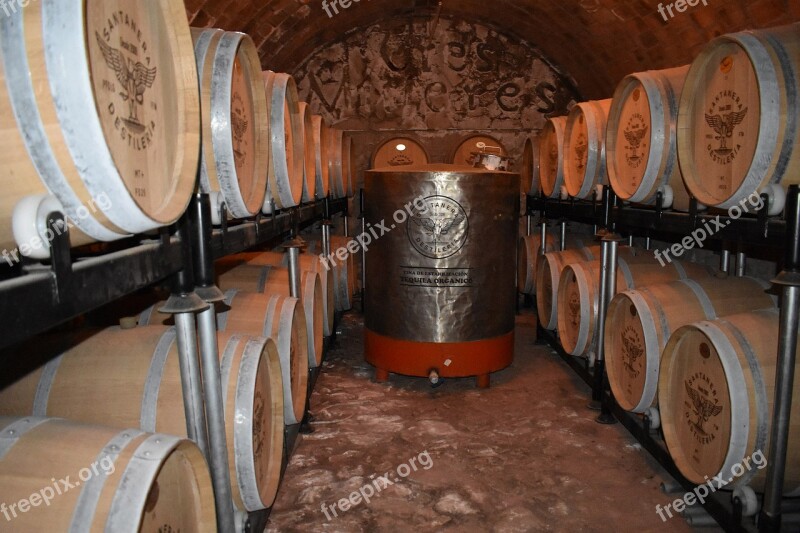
(400, 160)
(701, 407)
(632, 351)
(440, 230)
(635, 132)
(725, 114)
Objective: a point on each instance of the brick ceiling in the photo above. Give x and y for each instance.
(596, 42)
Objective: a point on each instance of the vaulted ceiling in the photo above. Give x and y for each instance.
(595, 42)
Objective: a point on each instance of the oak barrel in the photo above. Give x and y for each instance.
(551, 156)
(344, 270)
(321, 155)
(285, 185)
(309, 153)
(235, 151)
(135, 381)
(641, 142)
(529, 167)
(548, 274)
(463, 154)
(716, 394)
(275, 280)
(639, 323)
(76, 477)
(339, 163)
(739, 116)
(399, 152)
(310, 263)
(578, 293)
(113, 134)
(585, 148)
(528, 254)
(279, 318)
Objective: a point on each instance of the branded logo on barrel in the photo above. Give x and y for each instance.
(632, 351)
(126, 54)
(702, 407)
(239, 126)
(725, 113)
(635, 132)
(441, 230)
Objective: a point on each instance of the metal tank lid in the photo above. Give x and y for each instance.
(436, 168)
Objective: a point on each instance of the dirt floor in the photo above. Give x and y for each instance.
(524, 455)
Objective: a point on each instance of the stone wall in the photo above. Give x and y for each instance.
(434, 81)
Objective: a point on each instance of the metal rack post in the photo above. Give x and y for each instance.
(200, 212)
(362, 215)
(183, 304)
(608, 288)
(789, 280)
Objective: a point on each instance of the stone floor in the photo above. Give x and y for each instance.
(524, 455)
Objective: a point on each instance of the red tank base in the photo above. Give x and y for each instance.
(381, 375)
(449, 360)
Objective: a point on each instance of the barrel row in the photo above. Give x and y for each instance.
(267, 343)
(691, 348)
(117, 142)
(720, 130)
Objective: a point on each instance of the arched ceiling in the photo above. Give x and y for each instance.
(596, 42)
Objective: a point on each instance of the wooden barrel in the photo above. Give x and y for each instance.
(348, 166)
(551, 156)
(739, 113)
(344, 272)
(123, 481)
(119, 157)
(639, 323)
(310, 153)
(463, 154)
(641, 141)
(399, 152)
(135, 381)
(716, 396)
(312, 264)
(528, 253)
(548, 274)
(529, 168)
(277, 317)
(275, 280)
(585, 148)
(235, 153)
(321, 155)
(285, 185)
(339, 163)
(578, 293)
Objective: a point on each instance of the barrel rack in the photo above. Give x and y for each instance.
(39, 297)
(777, 233)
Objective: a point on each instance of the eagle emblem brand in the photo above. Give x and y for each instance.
(635, 132)
(239, 125)
(726, 112)
(632, 351)
(553, 157)
(581, 151)
(701, 407)
(574, 309)
(440, 230)
(125, 53)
